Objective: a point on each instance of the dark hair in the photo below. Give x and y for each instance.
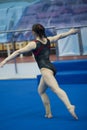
(39, 30)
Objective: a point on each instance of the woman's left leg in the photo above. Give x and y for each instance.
(44, 97)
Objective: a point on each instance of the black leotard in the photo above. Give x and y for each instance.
(41, 54)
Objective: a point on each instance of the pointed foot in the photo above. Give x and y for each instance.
(72, 112)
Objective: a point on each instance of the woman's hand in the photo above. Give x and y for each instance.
(2, 63)
(73, 31)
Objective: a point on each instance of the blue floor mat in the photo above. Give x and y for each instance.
(21, 107)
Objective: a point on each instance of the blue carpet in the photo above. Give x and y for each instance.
(22, 109)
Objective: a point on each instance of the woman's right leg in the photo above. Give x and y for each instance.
(41, 90)
(50, 81)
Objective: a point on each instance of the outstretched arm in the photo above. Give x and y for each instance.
(63, 35)
(27, 48)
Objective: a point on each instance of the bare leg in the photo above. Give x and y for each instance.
(41, 90)
(52, 83)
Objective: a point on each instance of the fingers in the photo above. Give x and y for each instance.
(2, 63)
(74, 31)
(77, 30)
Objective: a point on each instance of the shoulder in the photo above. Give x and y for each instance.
(31, 44)
(50, 38)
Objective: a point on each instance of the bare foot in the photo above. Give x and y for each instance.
(48, 115)
(72, 112)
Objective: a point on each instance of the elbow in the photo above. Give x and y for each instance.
(16, 53)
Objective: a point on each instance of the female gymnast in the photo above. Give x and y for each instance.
(41, 50)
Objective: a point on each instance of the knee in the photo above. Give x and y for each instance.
(39, 91)
(56, 90)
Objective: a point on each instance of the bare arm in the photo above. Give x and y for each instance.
(29, 47)
(63, 35)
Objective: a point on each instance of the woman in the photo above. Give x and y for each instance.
(41, 50)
